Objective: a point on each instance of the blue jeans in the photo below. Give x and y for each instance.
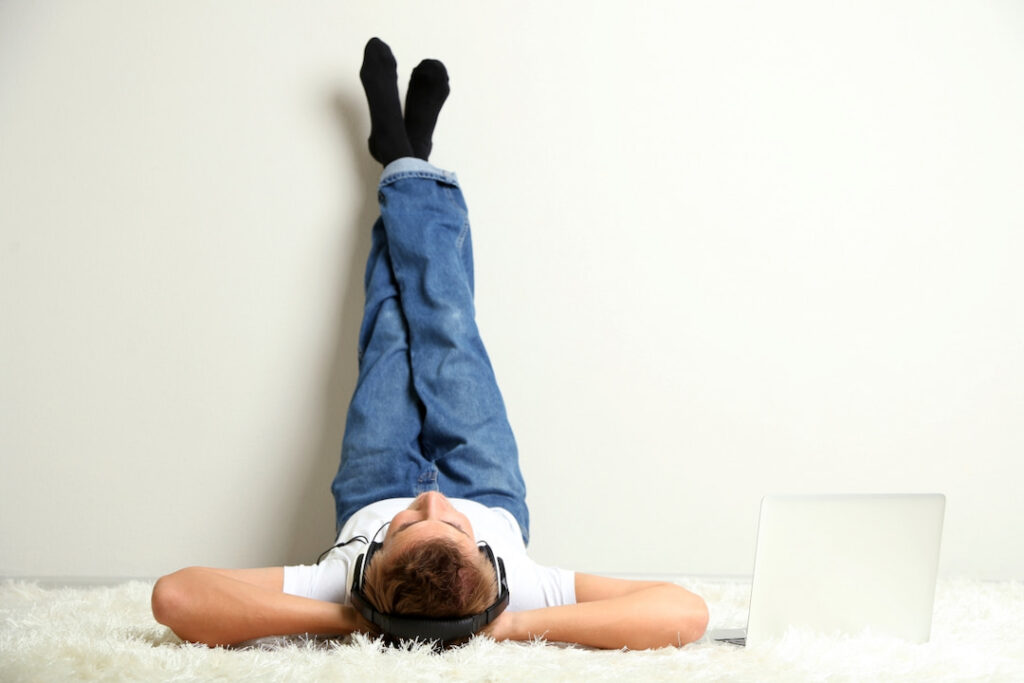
(426, 414)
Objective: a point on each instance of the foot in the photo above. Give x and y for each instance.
(388, 140)
(428, 89)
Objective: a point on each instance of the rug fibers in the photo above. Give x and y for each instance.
(108, 634)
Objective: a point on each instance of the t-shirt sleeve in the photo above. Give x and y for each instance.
(561, 588)
(327, 581)
(532, 586)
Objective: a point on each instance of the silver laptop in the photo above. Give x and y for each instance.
(843, 564)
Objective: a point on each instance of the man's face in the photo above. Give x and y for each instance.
(428, 517)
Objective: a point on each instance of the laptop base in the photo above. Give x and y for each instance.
(733, 636)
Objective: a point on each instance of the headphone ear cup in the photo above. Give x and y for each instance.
(374, 547)
(361, 564)
(357, 572)
(498, 564)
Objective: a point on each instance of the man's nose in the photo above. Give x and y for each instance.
(433, 504)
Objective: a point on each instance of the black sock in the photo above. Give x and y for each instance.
(388, 140)
(428, 89)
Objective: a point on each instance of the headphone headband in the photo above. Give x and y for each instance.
(398, 627)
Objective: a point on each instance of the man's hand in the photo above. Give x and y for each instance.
(502, 628)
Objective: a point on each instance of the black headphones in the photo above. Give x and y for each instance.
(397, 627)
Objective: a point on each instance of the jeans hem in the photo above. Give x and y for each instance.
(412, 167)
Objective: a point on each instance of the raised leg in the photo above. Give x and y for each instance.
(438, 421)
(465, 430)
(380, 453)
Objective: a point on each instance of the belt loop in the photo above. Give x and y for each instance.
(427, 481)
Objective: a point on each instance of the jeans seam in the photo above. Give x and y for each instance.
(464, 231)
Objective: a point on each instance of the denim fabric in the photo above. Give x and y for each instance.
(426, 414)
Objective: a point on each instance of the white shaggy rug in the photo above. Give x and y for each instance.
(70, 634)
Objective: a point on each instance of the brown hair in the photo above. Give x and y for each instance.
(430, 579)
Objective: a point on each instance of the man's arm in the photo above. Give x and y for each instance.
(224, 606)
(613, 613)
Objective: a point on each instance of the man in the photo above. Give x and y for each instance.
(429, 467)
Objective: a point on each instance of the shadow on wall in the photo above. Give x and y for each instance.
(312, 527)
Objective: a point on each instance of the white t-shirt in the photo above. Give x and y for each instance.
(530, 585)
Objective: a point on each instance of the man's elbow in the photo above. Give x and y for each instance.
(171, 601)
(676, 623)
(698, 620)
(693, 623)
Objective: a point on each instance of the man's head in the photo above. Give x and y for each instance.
(429, 517)
(429, 565)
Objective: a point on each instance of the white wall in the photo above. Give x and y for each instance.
(723, 250)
